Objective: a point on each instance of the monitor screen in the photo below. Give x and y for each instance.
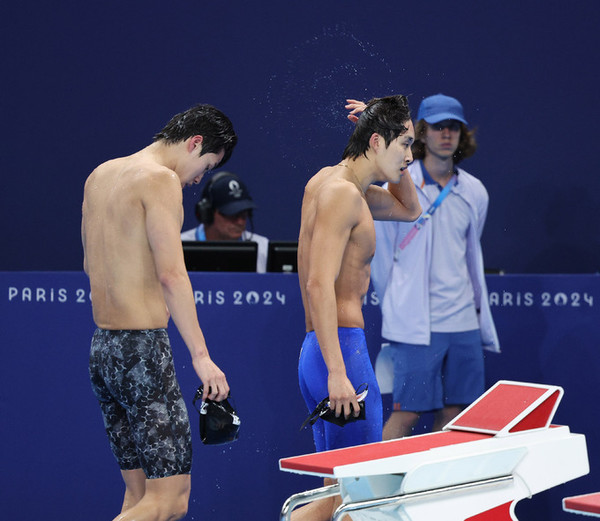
(283, 256)
(220, 255)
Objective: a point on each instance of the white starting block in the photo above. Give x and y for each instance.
(498, 451)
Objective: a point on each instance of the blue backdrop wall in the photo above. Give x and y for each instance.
(56, 463)
(85, 82)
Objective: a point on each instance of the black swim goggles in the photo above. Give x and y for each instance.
(324, 411)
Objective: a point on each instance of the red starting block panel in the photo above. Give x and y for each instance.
(510, 407)
(586, 504)
(326, 462)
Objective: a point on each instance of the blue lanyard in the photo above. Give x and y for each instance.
(428, 214)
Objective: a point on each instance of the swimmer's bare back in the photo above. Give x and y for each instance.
(120, 197)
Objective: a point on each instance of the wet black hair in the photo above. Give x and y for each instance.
(202, 120)
(384, 116)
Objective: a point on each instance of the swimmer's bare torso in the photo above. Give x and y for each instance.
(336, 234)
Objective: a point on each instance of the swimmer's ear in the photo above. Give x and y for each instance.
(195, 142)
(375, 141)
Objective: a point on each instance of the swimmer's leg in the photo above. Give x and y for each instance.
(164, 499)
(400, 424)
(321, 509)
(443, 417)
(135, 487)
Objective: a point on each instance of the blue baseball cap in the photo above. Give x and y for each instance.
(228, 194)
(439, 107)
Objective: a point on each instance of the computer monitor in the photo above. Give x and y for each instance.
(282, 256)
(220, 255)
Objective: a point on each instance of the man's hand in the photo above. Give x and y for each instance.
(355, 107)
(213, 379)
(342, 396)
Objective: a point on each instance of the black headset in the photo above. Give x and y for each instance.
(205, 212)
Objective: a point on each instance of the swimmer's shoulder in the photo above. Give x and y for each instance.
(135, 170)
(330, 179)
(333, 188)
(105, 173)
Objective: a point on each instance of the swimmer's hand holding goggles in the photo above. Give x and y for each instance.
(324, 411)
(219, 423)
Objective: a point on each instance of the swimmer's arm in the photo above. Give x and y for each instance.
(162, 205)
(85, 264)
(398, 203)
(83, 243)
(337, 211)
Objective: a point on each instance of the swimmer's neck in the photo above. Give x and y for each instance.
(161, 153)
(360, 171)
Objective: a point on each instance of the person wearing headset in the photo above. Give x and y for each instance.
(223, 211)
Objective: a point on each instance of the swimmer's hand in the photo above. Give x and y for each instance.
(215, 384)
(355, 107)
(342, 396)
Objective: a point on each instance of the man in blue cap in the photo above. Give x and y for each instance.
(429, 277)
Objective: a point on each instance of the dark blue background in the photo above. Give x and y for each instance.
(83, 82)
(56, 462)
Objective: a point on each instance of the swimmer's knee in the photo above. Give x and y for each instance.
(171, 496)
(177, 510)
(181, 503)
(182, 510)
(135, 487)
(165, 508)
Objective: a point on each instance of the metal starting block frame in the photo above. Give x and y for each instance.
(499, 450)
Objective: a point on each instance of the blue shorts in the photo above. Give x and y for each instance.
(312, 373)
(448, 371)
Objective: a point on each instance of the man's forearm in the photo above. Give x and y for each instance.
(180, 301)
(406, 193)
(323, 313)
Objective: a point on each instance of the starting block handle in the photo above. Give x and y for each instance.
(346, 508)
(306, 497)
